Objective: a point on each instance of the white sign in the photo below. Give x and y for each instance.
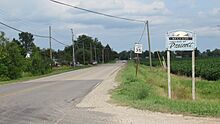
(138, 48)
(181, 41)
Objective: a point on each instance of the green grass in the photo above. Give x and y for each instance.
(149, 91)
(55, 70)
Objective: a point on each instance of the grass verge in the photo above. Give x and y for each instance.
(56, 70)
(149, 91)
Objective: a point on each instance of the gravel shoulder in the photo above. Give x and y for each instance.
(98, 101)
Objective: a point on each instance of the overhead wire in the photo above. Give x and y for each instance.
(36, 35)
(87, 10)
(104, 14)
(59, 41)
(142, 34)
(10, 18)
(98, 13)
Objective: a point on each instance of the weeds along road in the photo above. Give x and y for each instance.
(52, 100)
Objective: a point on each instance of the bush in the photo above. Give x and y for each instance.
(134, 90)
(39, 66)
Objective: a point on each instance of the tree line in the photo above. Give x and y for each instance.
(87, 50)
(125, 55)
(20, 57)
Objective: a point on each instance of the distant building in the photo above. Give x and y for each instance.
(28, 55)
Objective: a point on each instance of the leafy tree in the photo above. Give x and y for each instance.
(14, 61)
(3, 56)
(124, 55)
(26, 41)
(39, 65)
(79, 56)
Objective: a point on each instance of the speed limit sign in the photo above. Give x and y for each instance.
(138, 48)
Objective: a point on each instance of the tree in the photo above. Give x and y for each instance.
(3, 56)
(79, 56)
(14, 61)
(107, 52)
(39, 64)
(11, 60)
(124, 55)
(26, 40)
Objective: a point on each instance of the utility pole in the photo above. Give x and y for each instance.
(91, 57)
(95, 53)
(51, 57)
(74, 60)
(103, 55)
(84, 59)
(148, 34)
(50, 42)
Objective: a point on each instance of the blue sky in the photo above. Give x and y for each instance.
(201, 16)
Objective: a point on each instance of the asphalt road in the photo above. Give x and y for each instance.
(52, 100)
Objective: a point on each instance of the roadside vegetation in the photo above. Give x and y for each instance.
(21, 59)
(206, 68)
(149, 91)
(207, 62)
(54, 71)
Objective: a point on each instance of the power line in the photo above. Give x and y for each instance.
(36, 35)
(59, 41)
(12, 18)
(98, 13)
(144, 30)
(18, 30)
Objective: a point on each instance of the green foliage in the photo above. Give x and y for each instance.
(149, 91)
(26, 41)
(14, 61)
(93, 51)
(11, 60)
(79, 56)
(39, 66)
(133, 89)
(206, 68)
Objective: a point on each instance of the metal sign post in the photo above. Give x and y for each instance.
(138, 50)
(181, 40)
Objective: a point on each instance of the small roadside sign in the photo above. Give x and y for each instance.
(138, 48)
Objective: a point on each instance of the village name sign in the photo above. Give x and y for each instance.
(181, 40)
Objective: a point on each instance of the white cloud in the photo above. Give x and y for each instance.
(191, 3)
(126, 6)
(37, 15)
(215, 11)
(207, 31)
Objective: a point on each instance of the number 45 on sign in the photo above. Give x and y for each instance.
(138, 48)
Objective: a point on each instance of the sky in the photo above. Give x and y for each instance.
(35, 16)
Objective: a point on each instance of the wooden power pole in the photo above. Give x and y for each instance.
(95, 53)
(84, 59)
(91, 57)
(148, 34)
(74, 60)
(103, 55)
(50, 42)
